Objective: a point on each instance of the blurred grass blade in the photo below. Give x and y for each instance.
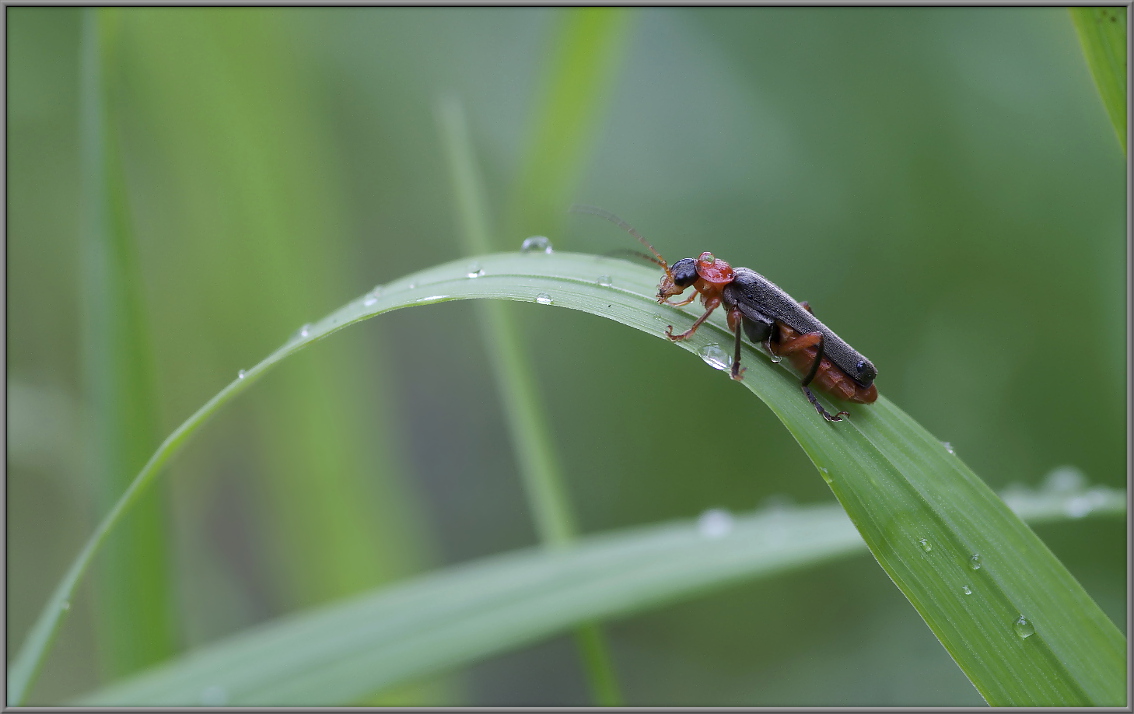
(921, 511)
(1102, 32)
(516, 384)
(135, 615)
(574, 94)
(467, 612)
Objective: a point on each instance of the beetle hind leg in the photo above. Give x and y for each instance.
(801, 342)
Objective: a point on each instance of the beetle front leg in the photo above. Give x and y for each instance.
(710, 305)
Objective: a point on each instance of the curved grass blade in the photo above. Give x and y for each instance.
(902, 489)
(336, 655)
(1102, 32)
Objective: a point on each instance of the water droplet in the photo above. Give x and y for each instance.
(214, 695)
(715, 523)
(1065, 479)
(715, 357)
(432, 298)
(707, 258)
(370, 300)
(475, 271)
(66, 605)
(823, 469)
(776, 359)
(948, 447)
(305, 330)
(241, 374)
(1078, 507)
(965, 590)
(1024, 628)
(605, 281)
(536, 244)
(543, 299)
(974, 562)
(411, 286)
(925, 544)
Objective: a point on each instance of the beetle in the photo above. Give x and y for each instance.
(770, 317)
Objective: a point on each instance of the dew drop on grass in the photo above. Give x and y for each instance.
(715, 357)
(214, 695)
(948, 447)
(605, 281)
(475, 271)
(241, 374)
(974, 562)
(1023, 628)
(1065, 479)
(925, 544)
(536, 244)
(715, 523)
(543, 299)
(1079, 506)
(370, 300)
(65, 606)
(305, 330)
(965, 590)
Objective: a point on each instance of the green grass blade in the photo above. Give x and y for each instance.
(901, 488)
(338, 654)
(134, 599)
(1102, 32)
(574, 94)
(516, 384)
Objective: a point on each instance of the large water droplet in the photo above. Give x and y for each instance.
(925, 544)
(715, 523)
(715, 357)
(776, 359)
(605, 281)
(1024, 628)
(475, 271)
(214, 695)
(543, 299)
(974, 562)
(536, 244)
(965, 590)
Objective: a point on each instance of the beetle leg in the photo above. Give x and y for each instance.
(711, 305)
(817, 339)
(683, 303)
(735, 321)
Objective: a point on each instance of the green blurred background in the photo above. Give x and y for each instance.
(943, 186)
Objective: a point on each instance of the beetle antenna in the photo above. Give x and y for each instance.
(603, 213)
(631, 253)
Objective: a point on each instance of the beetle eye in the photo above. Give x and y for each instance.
(860, 366)
(684, 272)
